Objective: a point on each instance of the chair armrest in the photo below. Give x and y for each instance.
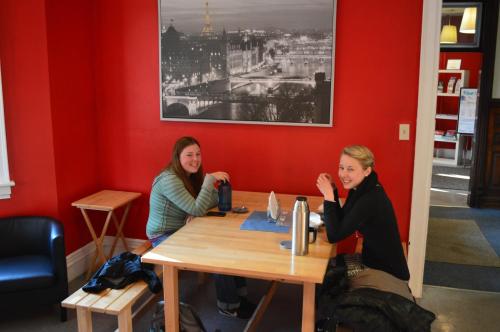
(57, 251)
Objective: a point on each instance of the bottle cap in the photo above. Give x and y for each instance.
(301, 198)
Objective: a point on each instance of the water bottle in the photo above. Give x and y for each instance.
(225, 196)
(300, 227)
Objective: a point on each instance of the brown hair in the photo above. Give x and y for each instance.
(361, 153)
(194, 181)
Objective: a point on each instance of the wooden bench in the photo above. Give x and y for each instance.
(116, 302)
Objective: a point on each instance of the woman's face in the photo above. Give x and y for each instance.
(190, 158)
(351, 172)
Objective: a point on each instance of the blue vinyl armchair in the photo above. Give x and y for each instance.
(32, 262)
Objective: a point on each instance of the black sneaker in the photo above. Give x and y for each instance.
(244, 311)
(247, 305)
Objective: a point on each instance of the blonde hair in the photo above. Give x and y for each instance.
(361, 153)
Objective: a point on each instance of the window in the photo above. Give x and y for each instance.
(460, 25)
(5, 183)
(496, 75)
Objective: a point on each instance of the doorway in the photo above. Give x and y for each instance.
(462, 251)
(425, 134)
(456, 109)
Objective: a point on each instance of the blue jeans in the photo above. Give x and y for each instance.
(159, 239)
(228, 289)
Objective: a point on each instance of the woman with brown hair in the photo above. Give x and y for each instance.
(181, 191)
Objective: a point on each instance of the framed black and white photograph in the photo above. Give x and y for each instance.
(238, 61)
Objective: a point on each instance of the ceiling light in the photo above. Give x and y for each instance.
(448, 34)
(468, 24)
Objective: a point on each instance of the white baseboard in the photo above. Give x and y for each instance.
(78, 262)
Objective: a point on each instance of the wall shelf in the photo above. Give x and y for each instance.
(449, 157)
(447, 116)
(440, 138)
(452, 154)
(446, 94)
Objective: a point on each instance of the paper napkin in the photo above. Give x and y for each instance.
(273, 206)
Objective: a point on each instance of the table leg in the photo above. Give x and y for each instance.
(97, 241)
(119, 230)
(308, 320)
(261, 308)
(100, 255)
(171, 296)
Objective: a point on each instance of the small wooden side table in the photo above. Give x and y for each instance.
(106, 200)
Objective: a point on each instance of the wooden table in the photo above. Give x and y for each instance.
(217, 245)
(110, 201)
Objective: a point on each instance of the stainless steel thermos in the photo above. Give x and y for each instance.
(225, 196)
(300, 227)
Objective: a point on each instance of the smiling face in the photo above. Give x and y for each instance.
(351, 172)
(190, 158)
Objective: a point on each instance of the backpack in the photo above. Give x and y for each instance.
(189, 321)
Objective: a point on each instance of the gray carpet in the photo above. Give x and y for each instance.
(488, 221)
(463, 248)
(462, 276)
(459, 242)
(444, 177)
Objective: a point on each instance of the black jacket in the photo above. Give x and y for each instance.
(365, 309)
(121, 271)
(369, 211)
(372, 310)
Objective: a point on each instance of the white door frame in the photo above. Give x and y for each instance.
(424, 142)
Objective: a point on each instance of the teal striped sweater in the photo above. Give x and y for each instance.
(171, 203)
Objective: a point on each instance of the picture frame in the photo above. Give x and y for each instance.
(270, 63)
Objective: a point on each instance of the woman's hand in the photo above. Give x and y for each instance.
(220, 176)
(325, 186)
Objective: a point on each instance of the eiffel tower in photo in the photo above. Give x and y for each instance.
(208, 30)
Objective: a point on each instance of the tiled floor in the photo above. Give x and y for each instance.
(448, 197)
(449, 179)
(460, 310)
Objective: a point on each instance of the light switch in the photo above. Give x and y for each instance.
(404, 132)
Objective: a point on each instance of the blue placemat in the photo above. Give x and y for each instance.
(257, 221)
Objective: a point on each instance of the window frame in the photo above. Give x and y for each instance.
(5, 183)
(462, 46)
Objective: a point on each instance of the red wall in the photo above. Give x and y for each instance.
(47, 68)
(25, 78)
(120, 143)
(72, 87)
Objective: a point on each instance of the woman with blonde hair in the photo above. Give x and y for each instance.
(368, 292)
(367, 210)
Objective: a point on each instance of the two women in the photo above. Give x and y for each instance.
(182, 191)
